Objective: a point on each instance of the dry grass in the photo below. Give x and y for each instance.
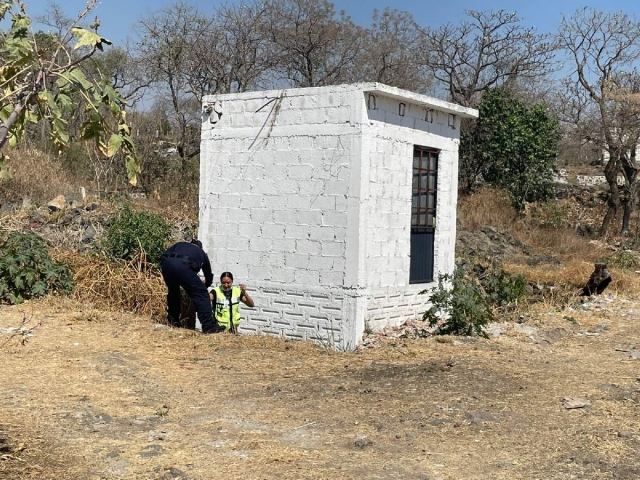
(36, 175)
(492, 207)
(486, 207)
(106, 385)
(116, 285)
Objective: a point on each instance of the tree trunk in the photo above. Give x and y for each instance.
(613, 202)
(631, 183)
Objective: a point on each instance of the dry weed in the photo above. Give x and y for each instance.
(36, 175)
(486, 207)
(116, 285)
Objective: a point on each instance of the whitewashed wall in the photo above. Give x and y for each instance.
(305, 195)
(389, 140)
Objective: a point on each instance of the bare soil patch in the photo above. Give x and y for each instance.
(95, 395)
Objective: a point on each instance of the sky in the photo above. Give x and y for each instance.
(118, 17)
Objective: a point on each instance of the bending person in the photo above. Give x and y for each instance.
(180, 266)
(226, 299)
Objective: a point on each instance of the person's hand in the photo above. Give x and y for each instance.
(203, 281)
(243, 286)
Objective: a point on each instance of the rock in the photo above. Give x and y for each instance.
(571, 403)
(174, 474)
(599, 280)
(625, 434)
(554, 335)
(634, 354)
(608, 386)
(92, 206)
(525, 329)
(152, 450)
(495, 331)
(26, 203)
(476, 417)
(437, 422)
(162, 411)
(362, 442)
(58, 203)
(153, 435)
(89, 234)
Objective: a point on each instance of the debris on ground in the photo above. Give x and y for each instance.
(571, 403)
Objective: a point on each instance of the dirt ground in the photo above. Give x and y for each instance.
(97, 396)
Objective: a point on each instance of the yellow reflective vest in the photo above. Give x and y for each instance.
(225, 306)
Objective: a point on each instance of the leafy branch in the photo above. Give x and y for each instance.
(39, 86)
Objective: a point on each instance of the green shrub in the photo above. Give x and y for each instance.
(459, 306)
(27, 270)
(132, 230)
(551, 215)
(623, 259)
(501, 288)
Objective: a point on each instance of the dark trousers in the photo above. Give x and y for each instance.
(177, 273)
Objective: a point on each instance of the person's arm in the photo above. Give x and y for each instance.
(206, 270)
(244, 296)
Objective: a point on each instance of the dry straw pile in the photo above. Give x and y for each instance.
(116, 285)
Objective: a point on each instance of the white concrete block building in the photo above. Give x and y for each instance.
(336, 205)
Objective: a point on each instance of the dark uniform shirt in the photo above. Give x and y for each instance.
(195, 256)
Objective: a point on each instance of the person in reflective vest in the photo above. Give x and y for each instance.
(226, 299)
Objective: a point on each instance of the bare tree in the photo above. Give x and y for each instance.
(486, 51)
(233, 54)
(604, 49)
(125, 73)
(392, 51)
(314, 45)
(167, 37)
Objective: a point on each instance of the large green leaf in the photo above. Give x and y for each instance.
(115, 142)
(87, 38)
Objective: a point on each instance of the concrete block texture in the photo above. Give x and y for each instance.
(307, 194)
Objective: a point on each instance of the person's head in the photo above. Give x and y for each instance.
(226, 280)
(196, 242)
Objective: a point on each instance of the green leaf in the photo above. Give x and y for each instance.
(64, 101)
(39, 288)
(115, 141)
(133, 168)
(5, 173)
(87, 38)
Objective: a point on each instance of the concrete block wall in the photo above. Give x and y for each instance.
(390, 139)
(275, 179)
(305, 195)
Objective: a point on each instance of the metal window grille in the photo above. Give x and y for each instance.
(424, 189)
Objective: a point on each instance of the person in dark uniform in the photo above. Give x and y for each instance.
(180, 266)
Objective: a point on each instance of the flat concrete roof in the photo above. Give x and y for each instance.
(370, 87)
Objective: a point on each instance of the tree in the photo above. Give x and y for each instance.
(39, 84)
(513, 146)
(166, 39)
(392, 51)
(487, 51)
(604, 49)
(234, 53)
(314, 46)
